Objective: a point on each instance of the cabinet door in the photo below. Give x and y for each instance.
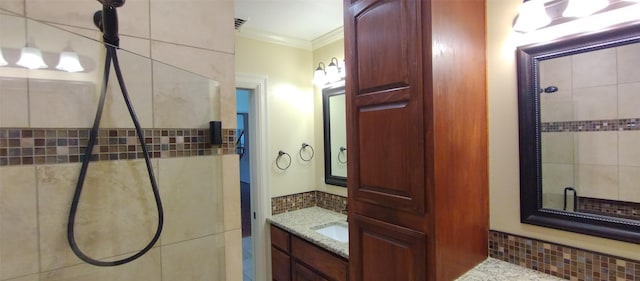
(302, 273)
(280, 265)
(384, 251)
(385, 105)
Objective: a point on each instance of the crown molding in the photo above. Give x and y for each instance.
(328, 38)
(273, 38)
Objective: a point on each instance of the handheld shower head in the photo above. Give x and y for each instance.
(107, 20)
(112, 3)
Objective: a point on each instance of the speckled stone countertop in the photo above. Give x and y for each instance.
(302, 222)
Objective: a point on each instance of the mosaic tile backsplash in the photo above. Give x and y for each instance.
(620, 209)
(303, 200)
(561, 261)
(28, 146)
(632, 124)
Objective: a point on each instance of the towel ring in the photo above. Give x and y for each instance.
(280, 154)
(342, 152)
(304, 147)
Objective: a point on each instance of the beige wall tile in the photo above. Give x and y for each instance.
(558, 147)
(133, 16)
(596, 68)
(182, 99)
(629, 180)
(194, 260)
(14, 102)
(213, 65)
(629, 100)
(18, 222)
(12, 34)
(233, 254)
(177, 21)
(629, 142)
(145, 268)
(136, 71)
(191, 189)
(597, 103)
(598, 148)
(34, 277)
(556, 72)
(598, 181)
(15, 6)
(628, 61)
(231, 184)
(116, 213)
(557, 106)
(555, 177)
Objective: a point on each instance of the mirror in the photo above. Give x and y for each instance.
(579, 125)
(335, 136)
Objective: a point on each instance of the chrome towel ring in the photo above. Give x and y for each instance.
(280, 154)
(343, 151)
(303, 148)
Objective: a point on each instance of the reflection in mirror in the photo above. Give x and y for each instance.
(579, 107)
(335, 136)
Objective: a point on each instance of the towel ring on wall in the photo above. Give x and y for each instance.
(343, 151)
(304, 147)
(280, 154)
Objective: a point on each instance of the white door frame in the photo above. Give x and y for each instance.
(259, 163)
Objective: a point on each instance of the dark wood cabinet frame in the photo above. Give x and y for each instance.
(531, 210)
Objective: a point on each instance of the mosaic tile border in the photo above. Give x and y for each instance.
(632, 124)
(292, 202)
(33, 146)
(561, 261)
(620, 209)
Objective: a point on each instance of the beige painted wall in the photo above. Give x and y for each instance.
(324, 54)
(290, 109)
(503, 141)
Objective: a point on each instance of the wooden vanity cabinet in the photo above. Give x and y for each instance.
(417, 137)
(293, 258)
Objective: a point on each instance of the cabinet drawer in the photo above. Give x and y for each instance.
(280, 265)
(280, 238)
(319, 259)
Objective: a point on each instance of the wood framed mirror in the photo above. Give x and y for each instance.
(335, 136)
(579, 133)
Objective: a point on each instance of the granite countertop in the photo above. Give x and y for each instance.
(302, 221)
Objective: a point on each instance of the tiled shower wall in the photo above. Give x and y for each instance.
(43, 123)
(591, 125)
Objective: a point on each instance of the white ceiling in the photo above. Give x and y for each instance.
(297, 19)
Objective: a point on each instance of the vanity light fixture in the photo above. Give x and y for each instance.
(319, 76)
(584, 8)
(532, 15)
(31, 58)
(69, 62)
(3, 62)
(331, 74)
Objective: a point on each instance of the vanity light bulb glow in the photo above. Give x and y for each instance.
(31, 58)
(584, 8)
(69, 62)
(533, 15)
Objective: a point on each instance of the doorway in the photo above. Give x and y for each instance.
(243, 149)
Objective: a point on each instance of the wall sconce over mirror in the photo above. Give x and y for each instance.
(330, 74)
(537, 14)
(31, 57)
(579, 126)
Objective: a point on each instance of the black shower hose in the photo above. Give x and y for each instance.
(111, 55)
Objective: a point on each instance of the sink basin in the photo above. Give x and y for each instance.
(336, 230)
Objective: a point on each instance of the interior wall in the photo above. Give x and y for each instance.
(324, 54)
(503, 141)
(290, 107)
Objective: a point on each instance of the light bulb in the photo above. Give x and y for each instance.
(69, 62)
(319, 78)
(3, 62)
(584, 8)
(533, 15)
(31, 58)
(332, 73)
